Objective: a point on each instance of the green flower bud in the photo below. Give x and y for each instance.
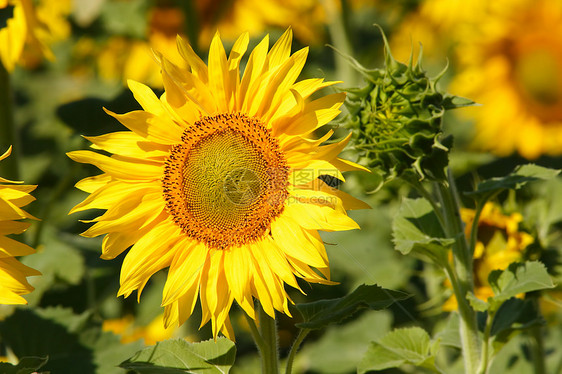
(397, 119)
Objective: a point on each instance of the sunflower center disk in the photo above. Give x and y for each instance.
(537, 68)
(226, 181)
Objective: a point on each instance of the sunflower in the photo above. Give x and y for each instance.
(499, 244)
(218, 180)
(13, 274)
(511, 62)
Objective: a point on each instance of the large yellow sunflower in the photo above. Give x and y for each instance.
(218, 180)
(13, 274)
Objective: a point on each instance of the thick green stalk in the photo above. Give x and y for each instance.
(538, 350)
(338, 33)
(269, 353)
(461, 276)
(484, 361)
(255, 333)
(9, 166)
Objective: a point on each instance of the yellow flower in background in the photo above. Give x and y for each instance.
(512, 64)
(218, 180)
(13, 274)
(54, 27)
(153, 333)
(123, 58)
(234, 17)
(499, 244)
(436, 25)
(308, 18)
(29, 30)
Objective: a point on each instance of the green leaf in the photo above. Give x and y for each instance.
(70, 340)
(519, 278)
(476, 303)
(450, 335)
(401, 346)
(348, 340)
(417, 229)
(515, 314)
(322, 313)
(179, 356)
(59, 262)
(519, 177)
(27, 365)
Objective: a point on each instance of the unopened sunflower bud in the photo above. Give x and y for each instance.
(397, 120)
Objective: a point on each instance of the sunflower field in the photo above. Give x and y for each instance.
(280, 186)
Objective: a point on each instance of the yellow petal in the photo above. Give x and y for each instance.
(218, 79)
(198, 67)
(238, 273)
(127, 143)
(150, 253)
(290, 238)
(10, 247)
(146, 98)
(317, 113)
(119, 168)
(253, 71)
(281, 50)
(185, 271)
(279, 85)
(154, 128)
(314, 217)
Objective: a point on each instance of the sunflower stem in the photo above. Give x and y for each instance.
(461, 274)
(8, 135)
(255, 333)
(300, 337)
(538, 350)
(484, 361)
(339, 35)
(269, 353)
